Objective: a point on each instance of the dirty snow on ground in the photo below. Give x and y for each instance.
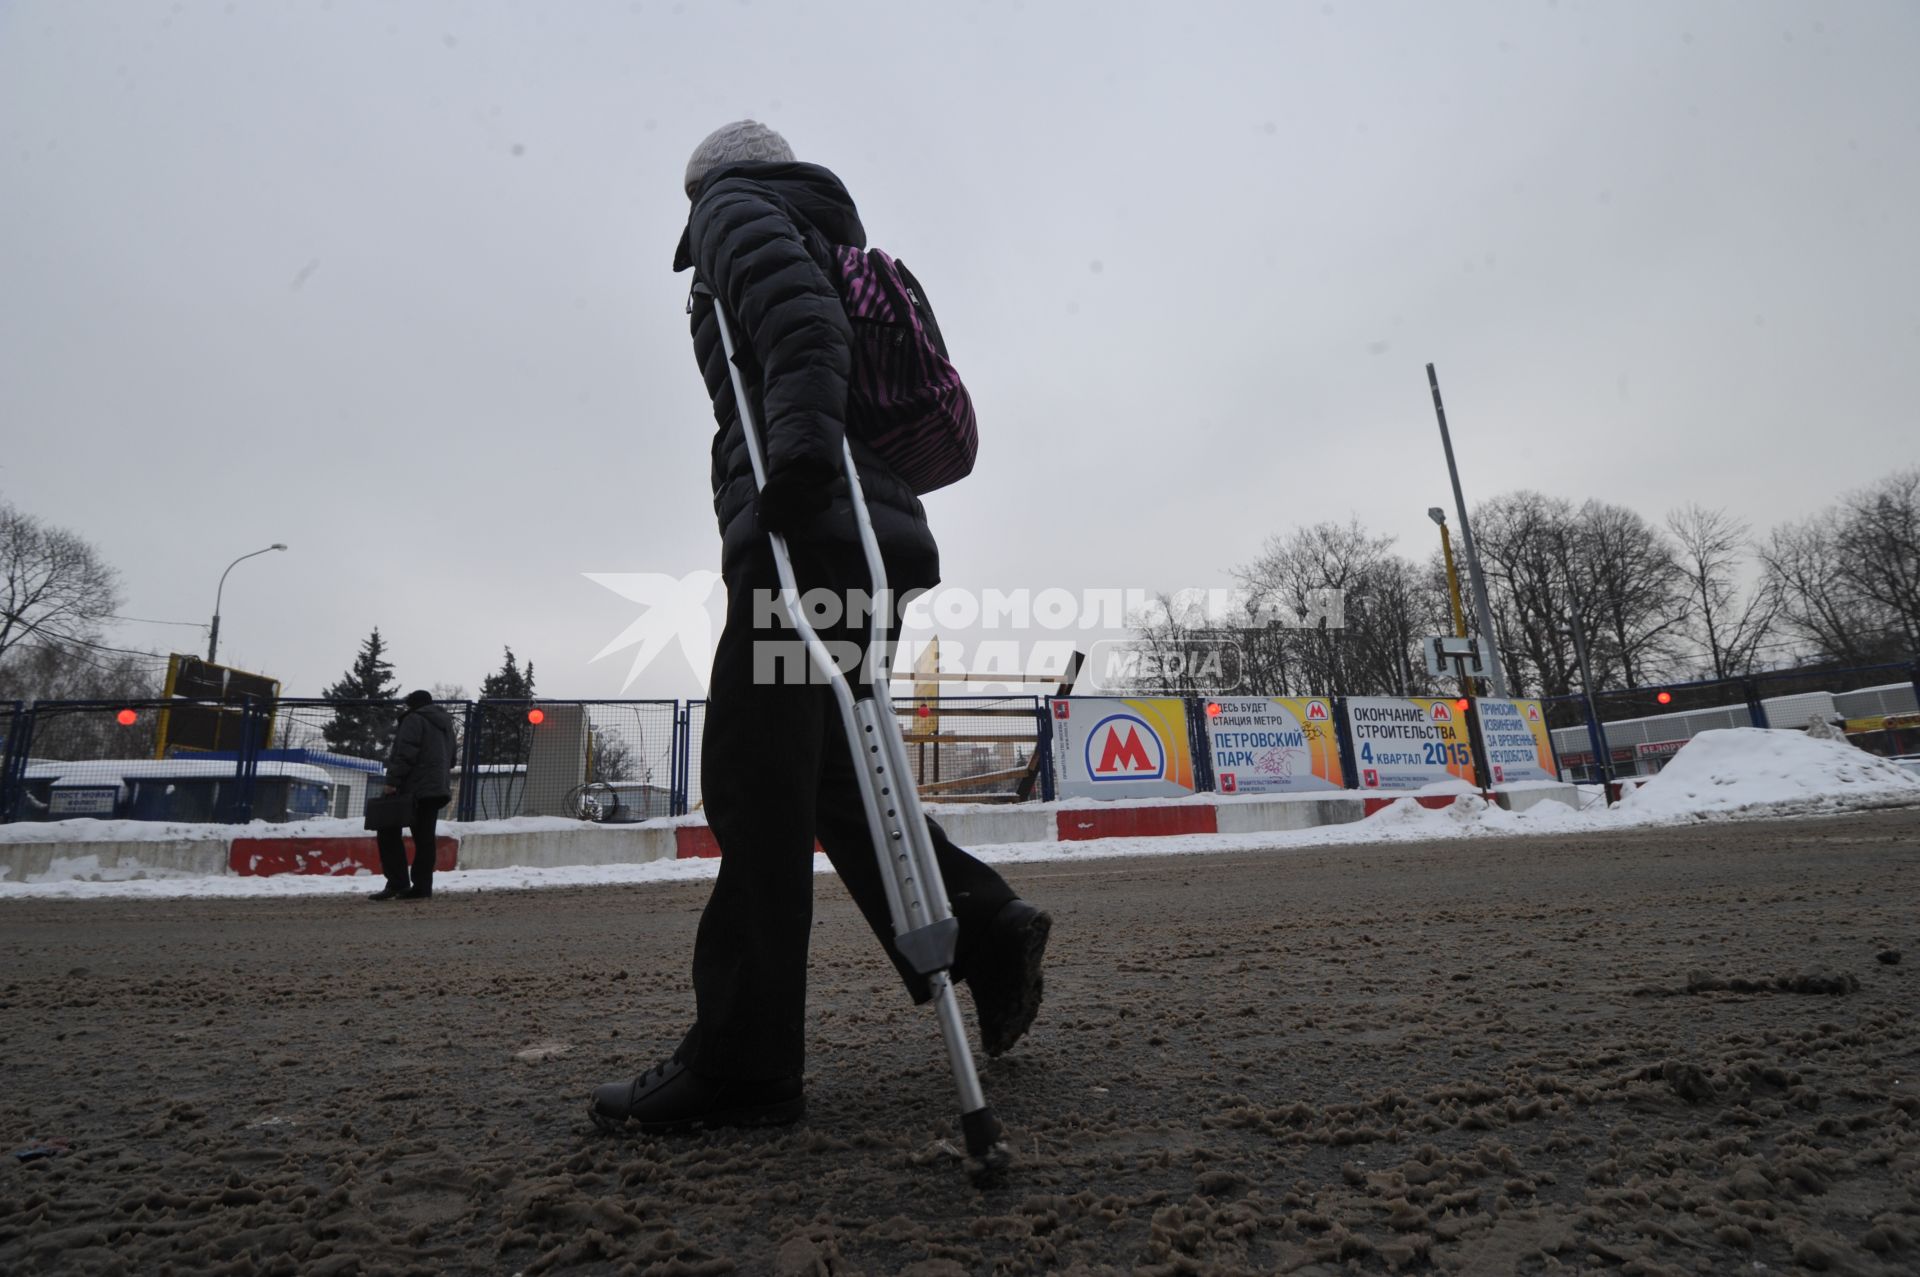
(1665, 1049)
(1732, 773)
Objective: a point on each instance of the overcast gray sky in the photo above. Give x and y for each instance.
(390, 283)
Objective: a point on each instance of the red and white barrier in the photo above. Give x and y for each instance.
(263, 850)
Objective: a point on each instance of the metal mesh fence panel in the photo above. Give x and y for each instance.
(630, 768)
(962, 748)
(118, 761)
(605, 761)
(1646, 726)
(82, 757)
(973, 748)
(1834, 682)
(347, 740)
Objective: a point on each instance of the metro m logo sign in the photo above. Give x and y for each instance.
(1125, 747)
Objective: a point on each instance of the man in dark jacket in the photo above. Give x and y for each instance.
(420, 767)
(776, 772)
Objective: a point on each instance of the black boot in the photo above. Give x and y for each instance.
(670, 1098)
(1004, 974)
(388, 892)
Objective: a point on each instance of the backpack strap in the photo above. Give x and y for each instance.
(898, 298)
(922, 307)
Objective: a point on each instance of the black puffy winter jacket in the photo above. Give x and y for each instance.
(746, 240)
(420, 761)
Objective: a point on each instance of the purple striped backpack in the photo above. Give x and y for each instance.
(904, 397)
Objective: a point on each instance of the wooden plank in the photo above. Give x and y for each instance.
(941, 786)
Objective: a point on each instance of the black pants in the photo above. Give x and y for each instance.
(424, 825)
(777, 774)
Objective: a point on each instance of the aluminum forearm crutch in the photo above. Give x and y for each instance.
(924, 928)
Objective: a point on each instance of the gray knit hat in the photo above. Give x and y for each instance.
(736, 143)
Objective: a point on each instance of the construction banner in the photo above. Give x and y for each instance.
(1408, 743)
(1273, 745)
(1110, 747)
(1515, 736)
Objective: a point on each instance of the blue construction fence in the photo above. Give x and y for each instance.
(608, 761)
(1624, 732)
(618, 761)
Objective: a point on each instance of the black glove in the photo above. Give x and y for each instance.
(792, 497)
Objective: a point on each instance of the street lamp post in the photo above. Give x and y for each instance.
(1596, 731)
(213, 635)
(1485, 611)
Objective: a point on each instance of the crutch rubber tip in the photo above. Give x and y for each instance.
(990, 1168)
(987, 1153)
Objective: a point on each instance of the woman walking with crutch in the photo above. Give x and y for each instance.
(777, 250)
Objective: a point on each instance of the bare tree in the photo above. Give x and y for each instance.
(1523, 538)
(1633, 589)
(1808, 589)
(1543, 559)
(55, 590)
(1728, 628)
(37, 672)
(1847, 581)
(1878, 539)
(1368, 648)
(43, 673)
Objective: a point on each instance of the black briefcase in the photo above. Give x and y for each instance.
(388, 811)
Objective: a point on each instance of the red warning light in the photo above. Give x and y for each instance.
(536, 716)
(126, 718)
(1461, 704)
(925, 711)
(1213, 709)
(1664, 698)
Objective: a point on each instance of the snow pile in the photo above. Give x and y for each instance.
(1469, 815)
(1736, 768)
